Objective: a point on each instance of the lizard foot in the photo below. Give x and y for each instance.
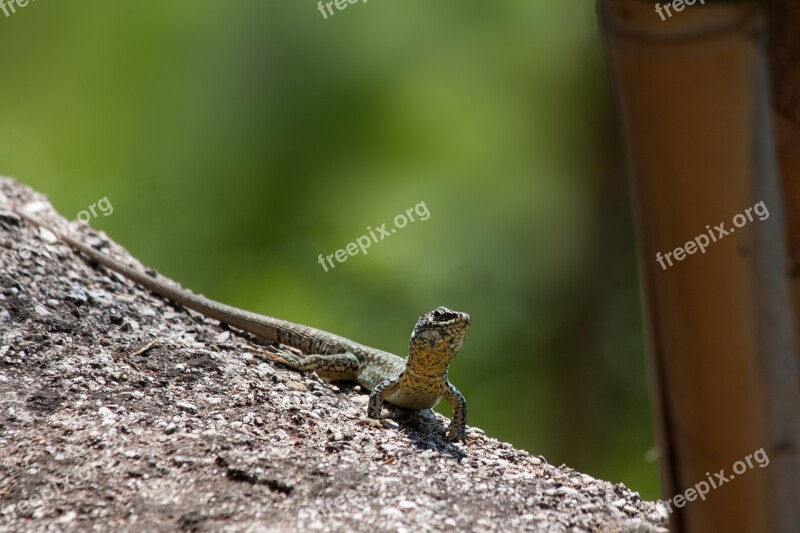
(283, 357)
(455, 434)
(381, 423)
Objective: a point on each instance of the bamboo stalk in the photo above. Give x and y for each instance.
(694, 103)
(784, 47)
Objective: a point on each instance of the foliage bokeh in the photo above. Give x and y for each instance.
(237, 141)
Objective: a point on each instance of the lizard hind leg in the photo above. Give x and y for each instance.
(340, 366)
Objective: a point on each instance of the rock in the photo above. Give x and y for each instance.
(186, 406)
(271, 449)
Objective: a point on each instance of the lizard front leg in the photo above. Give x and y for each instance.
(379, 393)
(458, 427)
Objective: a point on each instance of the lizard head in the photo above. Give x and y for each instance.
(437, 338)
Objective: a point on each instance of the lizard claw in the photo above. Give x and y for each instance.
(379, 423)
(455, 434)
(276, 358)
(283, 357)
(373, 422)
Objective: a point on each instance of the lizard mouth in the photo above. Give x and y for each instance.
(450, 322)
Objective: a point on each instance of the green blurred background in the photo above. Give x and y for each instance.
(239, 140)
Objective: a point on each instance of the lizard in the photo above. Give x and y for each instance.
(417, 382)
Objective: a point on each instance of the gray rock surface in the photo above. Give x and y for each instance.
(120, 411)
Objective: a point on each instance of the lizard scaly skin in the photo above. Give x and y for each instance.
(417, 382)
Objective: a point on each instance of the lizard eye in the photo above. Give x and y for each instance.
(437, 314)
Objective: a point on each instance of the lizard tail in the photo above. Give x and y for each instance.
(260, 325)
